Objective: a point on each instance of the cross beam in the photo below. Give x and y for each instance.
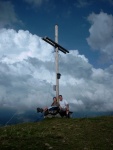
(54, 44)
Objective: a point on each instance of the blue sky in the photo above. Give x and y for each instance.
(27, 62)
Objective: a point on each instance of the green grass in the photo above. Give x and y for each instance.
(59, 134)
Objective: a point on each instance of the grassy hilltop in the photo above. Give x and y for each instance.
(59, 134)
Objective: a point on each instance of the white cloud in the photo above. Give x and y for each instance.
(101, 33)
(20, 45)
(7, 14)
(27, 75)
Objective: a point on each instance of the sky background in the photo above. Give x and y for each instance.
(27, 63)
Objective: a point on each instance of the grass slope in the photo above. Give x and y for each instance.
(59, 134)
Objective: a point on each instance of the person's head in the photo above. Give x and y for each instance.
(60, 97)
(54, 99)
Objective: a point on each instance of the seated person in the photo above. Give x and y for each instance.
(55, 103)
(54, 107)
(64, 106)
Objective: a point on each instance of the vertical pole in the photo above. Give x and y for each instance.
(56, 59)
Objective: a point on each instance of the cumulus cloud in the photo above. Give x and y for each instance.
(27, 75)
(22, 45)
(24, 61)
(7, 14)
(101, 33)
